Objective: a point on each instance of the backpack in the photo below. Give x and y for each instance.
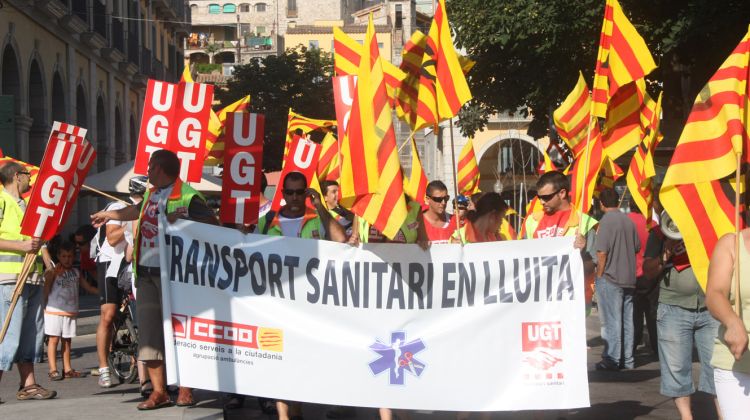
(98, 240)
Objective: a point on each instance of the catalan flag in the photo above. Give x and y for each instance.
(545, 164)
(623, 57)
(328, 162)
(573, 116)
(468, 170)
(215, 148)
(693, 193)
(299, 123)
(416, 185)
(584, 172)
(442, 85)
(610, 173)
(371, 180)
(641, 170)
(347, 53)
(622, 128)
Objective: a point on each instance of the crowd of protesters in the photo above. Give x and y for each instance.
(636, 273)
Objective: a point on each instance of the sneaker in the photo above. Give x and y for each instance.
(105, 379)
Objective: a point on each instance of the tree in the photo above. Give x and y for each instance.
(300, 79)
(211, 50)
(529, 52)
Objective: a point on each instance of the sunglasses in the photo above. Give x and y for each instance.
(548, 197)
(299, 191)
(23, 173)
(439, 199)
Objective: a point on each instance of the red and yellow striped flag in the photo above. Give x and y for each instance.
(348, 52)
(716, 129)
(217, 122)
(442, 85)
(622, 128)
(468, 170)
(573, 116)
(328, 162)
(641, 170)
(545, 164)
(299, 123)
(611, 172)
(583, 177)
(372, 184)
(416, 185)
(623, 57)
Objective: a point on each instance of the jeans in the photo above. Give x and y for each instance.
(24, 339)
(616, 315)
(645, 303)
(679, 329)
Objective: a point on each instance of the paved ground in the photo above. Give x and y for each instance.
(614, 395)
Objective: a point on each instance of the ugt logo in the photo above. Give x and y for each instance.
(397, 357)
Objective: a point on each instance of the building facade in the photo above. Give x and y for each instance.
(85, 62)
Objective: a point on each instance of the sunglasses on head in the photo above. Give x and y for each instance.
(439, 199)
(547, 197)
(299, 191)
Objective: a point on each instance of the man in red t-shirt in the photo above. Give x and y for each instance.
(646, 296)
(438, 223)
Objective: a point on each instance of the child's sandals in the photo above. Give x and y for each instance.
(73, 374)
(55, 376)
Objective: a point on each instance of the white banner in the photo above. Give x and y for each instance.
(494, 326)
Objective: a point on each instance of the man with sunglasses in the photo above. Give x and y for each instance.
(438, 223)
(23, 343)
(558, 217)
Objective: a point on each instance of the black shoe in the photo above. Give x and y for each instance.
(604, 366)
(234, 402)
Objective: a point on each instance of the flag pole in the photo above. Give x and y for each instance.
(455, 176)
(94, 190)
(587, 152)
(737, 233)
(408, 139)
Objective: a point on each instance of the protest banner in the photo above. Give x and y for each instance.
(243, 163)
(66, 163)
(303, 157)
(175, 117)
(487, 327)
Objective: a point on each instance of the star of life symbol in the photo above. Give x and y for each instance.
(397, 357)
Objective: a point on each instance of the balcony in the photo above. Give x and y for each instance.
(94, 40)
(74, 24)
(55, 9)
(133, 47)
(116, 50)
(100, 18)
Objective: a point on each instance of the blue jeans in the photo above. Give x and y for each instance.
(678, 329)
(615, 305)
(25, 336)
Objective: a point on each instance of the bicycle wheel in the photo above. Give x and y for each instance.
(121, 357)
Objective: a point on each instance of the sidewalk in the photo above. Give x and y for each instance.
(622, 395)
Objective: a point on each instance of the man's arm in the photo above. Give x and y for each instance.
(115, 233)
(199, 211)
(30, 245)
(335, 231)
(601, 259)
(127, 213)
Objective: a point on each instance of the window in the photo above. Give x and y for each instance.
(244, 8)
(260, 7)
(230, 8)
(245, 29)
(314, 44)
(260, 30)
(380, 45)
(214, 9)
(291, 8)
(193, 8)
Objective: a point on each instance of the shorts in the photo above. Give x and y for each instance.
(733, 392)
(108, 290)
(59, 325)
(148, 312)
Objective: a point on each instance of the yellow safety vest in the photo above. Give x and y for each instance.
(11, 262)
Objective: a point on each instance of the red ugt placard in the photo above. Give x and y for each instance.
(303, 157)
(243, 161)
(48, 200)
(343, 96)
(175, 117)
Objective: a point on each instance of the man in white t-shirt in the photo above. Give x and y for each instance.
(109, 261)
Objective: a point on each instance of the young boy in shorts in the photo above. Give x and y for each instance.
(61, 290)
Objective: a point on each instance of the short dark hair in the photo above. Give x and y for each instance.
(558, 180)
(263, 182)
(168, 161)
(327, 183)
(294, 176)
(8, 171)
(609, 198)
(436, 185)
(488, 203)
(66, 246)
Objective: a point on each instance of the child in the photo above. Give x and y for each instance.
(61, 291)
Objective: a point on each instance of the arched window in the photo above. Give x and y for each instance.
(214, 9)
(230, 8)
(193, 8)
(260, 7)
(244, 8)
